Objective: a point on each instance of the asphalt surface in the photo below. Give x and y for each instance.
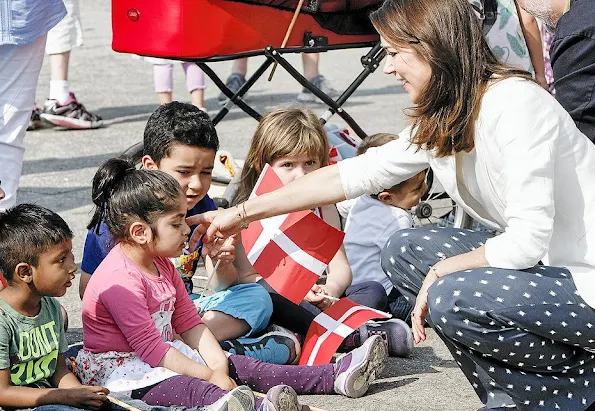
(59, 166)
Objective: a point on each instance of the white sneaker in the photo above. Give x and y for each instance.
(355, 370)
(239, 399)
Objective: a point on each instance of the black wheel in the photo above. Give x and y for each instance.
(437, 208)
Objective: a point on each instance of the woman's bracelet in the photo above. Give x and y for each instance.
(242, 215)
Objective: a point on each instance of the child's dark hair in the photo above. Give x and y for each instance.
(26, 232)
(178, 123)
(375, 140)
(123, 195)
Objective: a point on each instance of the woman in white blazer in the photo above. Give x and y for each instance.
(516, 310)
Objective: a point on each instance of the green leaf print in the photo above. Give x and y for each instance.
(504, 14)
(517, 47)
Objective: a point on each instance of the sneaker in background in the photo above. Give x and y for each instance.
(355, 370)
(71, 115)
(274, 347)
(234, 82)
(35, 121)
(323, 84)
(282, 398)
(396, 334)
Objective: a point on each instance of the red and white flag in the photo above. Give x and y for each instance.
(331, 327)
(290, 251)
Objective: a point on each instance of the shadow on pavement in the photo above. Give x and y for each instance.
(48, 165)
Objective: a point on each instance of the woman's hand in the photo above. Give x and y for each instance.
(222, 380)
(418, 316)
(214, 224)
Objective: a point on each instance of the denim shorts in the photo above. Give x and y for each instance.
(248, 302)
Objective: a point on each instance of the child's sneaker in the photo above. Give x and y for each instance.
(275, 347)
(355, 370)
(306, 96)
(396, 335)
(35, 121)
(71, 115)
(239, 399)
(282, 398)
(234, 82)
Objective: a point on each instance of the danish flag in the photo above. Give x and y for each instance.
(290, 251)
(330, 327)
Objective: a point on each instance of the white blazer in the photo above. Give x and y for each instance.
(531, 174)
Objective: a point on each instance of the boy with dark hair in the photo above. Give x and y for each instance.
(181, 140)
(37, 262)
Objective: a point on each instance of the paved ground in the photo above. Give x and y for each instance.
(59, 166)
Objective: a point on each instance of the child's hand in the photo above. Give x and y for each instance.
(222, 380)
(227, 252)
(316, 296)
(85, 396)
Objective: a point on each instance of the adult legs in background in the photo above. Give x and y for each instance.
(310, 63)
(195, 82)
(62, 108)
(19, 70)
(163, 79)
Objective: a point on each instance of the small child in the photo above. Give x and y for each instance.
(370, 223)
(37, 262)
(135, 303)
(294, 143)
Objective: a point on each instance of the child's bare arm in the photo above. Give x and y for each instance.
(62, 377)
(339, 272)
(202, 339)
(246, 272)
(27, 397)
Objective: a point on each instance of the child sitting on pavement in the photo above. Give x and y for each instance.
(294, 143)
(370, 223)
(136, 302)
(37, 262)
(181, 140)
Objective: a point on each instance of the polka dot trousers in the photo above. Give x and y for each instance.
(522, 337)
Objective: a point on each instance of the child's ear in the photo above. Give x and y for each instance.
(24, 272)
(385, 197)
(148, 163)
(140, 233)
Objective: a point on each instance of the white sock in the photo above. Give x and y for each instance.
(59, 91)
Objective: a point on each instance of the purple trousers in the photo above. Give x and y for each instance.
(187, 391)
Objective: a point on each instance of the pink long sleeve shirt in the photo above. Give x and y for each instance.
(128, 310)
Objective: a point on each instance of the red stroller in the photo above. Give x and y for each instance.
(231, 30)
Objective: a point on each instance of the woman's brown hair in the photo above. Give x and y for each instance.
(284, 132)
(447, 35)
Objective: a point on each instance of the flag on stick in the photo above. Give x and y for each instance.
(330, 327)
(290, 251)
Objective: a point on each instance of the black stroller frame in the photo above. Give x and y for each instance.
(370, 63)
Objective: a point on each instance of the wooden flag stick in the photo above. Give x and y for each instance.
(261, 395)
(287, 34)
(121, 404)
